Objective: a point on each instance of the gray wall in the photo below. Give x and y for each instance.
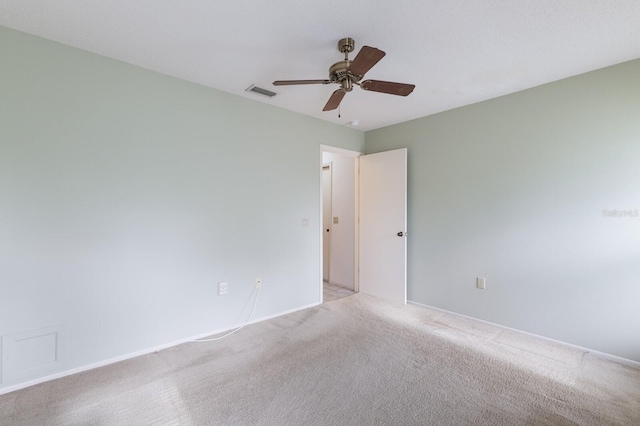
(513, 189)
(126, 196)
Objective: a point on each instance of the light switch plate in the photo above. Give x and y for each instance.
(480, 283)
(335, 219)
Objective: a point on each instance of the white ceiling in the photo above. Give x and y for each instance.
(456, 52)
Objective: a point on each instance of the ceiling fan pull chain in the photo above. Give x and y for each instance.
(338, 111)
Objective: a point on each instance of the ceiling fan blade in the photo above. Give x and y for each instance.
(291, 82)
(334, 100)
(400, 89)
(366, 58)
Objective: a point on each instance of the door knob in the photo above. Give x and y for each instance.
(400, 234)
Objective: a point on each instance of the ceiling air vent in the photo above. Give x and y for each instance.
(259, 90)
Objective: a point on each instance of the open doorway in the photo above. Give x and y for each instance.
(367, 248)
(339, 224)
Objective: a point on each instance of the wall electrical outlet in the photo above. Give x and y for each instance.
(223, 288)
(480, 283)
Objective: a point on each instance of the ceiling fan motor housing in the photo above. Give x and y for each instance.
(338, 73)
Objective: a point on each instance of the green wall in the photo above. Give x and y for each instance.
(127, 195)
(513, 189)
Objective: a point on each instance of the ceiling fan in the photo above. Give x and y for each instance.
(349, 73)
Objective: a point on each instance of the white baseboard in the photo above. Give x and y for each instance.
(605, 355)
(158, 348)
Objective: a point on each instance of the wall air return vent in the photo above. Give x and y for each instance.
(260, 91)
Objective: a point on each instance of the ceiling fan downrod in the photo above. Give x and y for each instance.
(346, 46)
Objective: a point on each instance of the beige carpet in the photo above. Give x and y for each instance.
(352, 361)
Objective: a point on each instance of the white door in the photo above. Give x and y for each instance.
(326, 221)
(383, 225)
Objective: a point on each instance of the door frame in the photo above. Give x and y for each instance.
(356, 236)
(326, 236)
